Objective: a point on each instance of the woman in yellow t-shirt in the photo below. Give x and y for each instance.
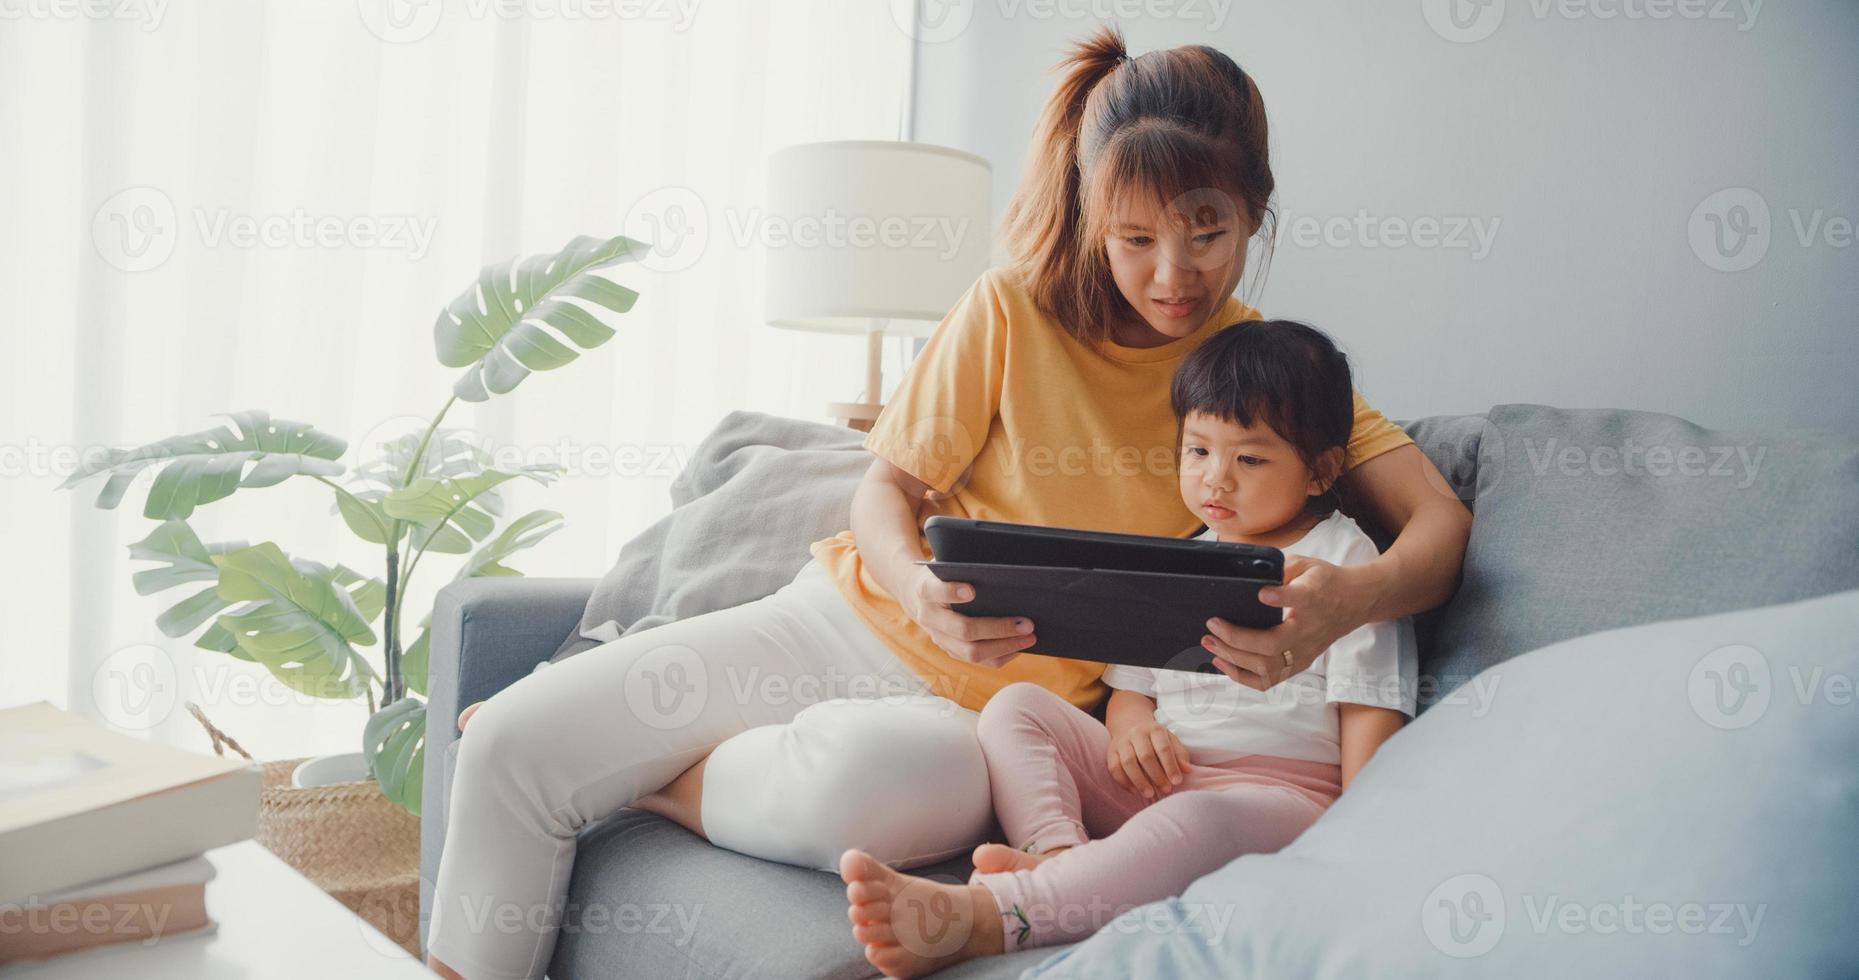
(839, 712)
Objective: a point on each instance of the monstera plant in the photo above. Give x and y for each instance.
(431, 491)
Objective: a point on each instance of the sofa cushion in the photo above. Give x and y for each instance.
(1589, 519)
(1676, 800)
(650, 899)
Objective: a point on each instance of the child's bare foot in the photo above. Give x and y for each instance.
(991, 858)
(910, 925)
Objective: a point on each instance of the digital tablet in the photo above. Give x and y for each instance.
(1113, 598)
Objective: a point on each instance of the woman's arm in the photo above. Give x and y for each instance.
(884, 526)
(1403, 492)
(1363, 728)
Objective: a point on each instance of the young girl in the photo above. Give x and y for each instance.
(1042, 398)
(1190, 769)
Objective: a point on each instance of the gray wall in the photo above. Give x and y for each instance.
(1587, 143)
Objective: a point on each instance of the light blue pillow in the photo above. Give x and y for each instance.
(1677, 799)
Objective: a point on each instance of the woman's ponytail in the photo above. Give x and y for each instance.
(1044, 220)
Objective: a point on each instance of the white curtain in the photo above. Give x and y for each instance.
(216, 206)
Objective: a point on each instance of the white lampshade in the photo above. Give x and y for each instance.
(869, 230)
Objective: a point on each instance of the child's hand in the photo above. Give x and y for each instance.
(1148, 759)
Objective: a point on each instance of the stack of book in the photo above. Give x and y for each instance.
(103, 835)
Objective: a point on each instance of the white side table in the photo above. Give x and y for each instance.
(272, 923)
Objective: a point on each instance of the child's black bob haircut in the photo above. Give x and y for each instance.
(1282, 373)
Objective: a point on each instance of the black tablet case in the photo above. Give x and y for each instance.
(1141, 618)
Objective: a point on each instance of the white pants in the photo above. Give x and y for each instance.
(822, 740)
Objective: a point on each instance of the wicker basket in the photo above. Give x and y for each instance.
(347, 838)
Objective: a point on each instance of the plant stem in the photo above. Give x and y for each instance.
(396, 685)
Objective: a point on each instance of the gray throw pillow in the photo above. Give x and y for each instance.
(1593, 519)
(757, 492)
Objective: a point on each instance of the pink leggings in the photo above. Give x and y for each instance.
(1052, 788)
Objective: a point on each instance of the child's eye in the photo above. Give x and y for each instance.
(1251, 461)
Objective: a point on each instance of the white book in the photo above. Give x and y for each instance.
(80, 803)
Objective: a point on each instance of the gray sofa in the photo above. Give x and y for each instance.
(1565, 542)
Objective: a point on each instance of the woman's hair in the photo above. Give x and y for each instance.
(1163, 125)
(1287, 375)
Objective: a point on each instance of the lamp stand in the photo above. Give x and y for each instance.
(862, 415)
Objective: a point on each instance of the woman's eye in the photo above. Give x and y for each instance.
(1208, 237)
(1139, 240)
(1195, 451)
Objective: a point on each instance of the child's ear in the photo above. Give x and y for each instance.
(1328, 470)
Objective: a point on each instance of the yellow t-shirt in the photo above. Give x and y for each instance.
(1044, 432)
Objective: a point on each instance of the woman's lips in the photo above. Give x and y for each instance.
(1177, 310)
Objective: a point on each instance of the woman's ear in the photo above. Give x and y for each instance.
(1326, 472)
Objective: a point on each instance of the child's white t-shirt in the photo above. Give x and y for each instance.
(1218, 719)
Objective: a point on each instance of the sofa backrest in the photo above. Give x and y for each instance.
(1588, 519)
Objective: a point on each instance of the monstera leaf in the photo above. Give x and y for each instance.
(524, 532)
(449, 453)
(299, 620)
(453, 512)
(394, 742)
(496, 328)
(205, 466)
(186, 561)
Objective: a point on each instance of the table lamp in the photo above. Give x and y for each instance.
(876, 237)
